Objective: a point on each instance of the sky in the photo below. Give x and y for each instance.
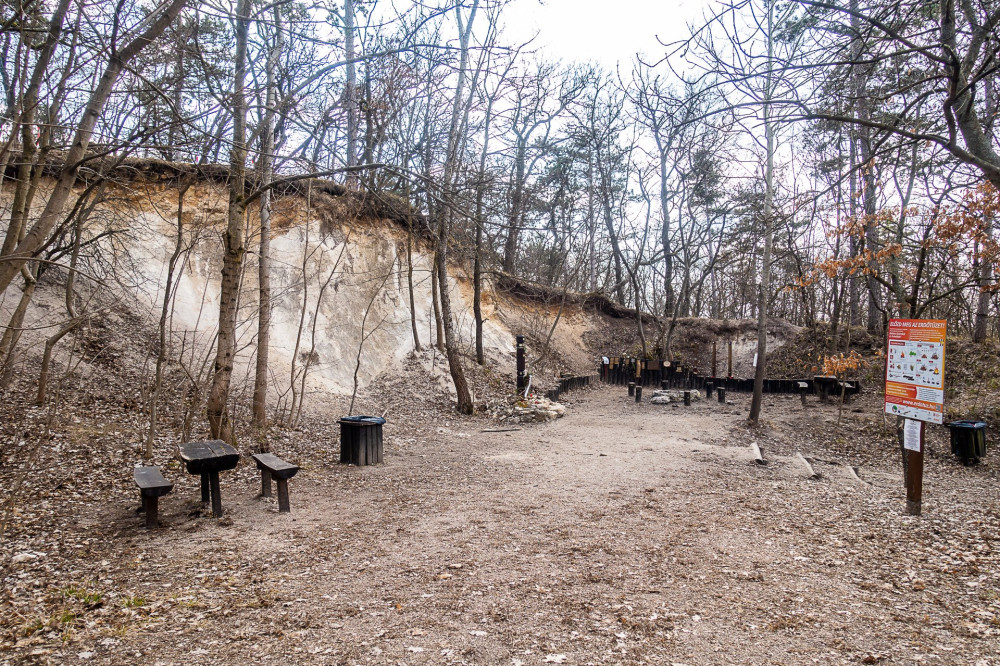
(606, 31)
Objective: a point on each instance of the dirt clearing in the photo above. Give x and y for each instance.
(621, 533)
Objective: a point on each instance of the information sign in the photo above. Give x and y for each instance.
(914, 369)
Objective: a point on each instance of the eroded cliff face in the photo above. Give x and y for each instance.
(340, 291)
(340, 286)
(339, 281)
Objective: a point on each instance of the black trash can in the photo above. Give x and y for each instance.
(361, 440)
(968, 440)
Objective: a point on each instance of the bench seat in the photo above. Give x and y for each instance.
(152, 486)
(270, 466)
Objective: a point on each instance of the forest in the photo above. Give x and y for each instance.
(824, 163)
(241, 237)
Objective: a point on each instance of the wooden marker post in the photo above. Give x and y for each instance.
(521, 380)
(911, 436)
(730, 375)
(914, 392)
(715, 355)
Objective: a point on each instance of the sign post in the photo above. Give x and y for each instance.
(914, 391)
(522, 381)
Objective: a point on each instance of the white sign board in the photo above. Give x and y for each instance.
(911, 435)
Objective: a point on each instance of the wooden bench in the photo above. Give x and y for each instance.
(270, 466)
(152, 486)
(846, 389)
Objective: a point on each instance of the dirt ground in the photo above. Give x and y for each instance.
(621, 533)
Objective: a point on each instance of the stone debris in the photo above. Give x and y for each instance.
(26, 556)
(538, 409)
(673, 395)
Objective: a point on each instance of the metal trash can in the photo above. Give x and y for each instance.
(968, 440)
(361, 440)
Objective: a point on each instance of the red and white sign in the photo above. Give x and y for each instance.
(914, 369)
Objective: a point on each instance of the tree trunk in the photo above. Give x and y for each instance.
(232, 263)
(668, 256)
(765, 273)
(50, 343)
(259, 413)
(161, 355)
(350, 93)
(514, 219)
(464, 398)
(409, 272)
(12, 334)
(984, 279)
(436, 302)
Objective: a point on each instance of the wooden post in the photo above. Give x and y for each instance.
(631, 388)
(521, 380)
(722, 395)
(265, 483)
(708, 389)
(913, 465)
(715, 367)
(638, 394)
(151, 506)
(206, 495)
(730, 375)
(687, 398)
(213, 478)
(283, 506)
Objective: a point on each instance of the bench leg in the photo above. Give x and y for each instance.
(216, 495)
(205, 493)
(283, 506)
(151, 506)
(802, 395)
(265, 483)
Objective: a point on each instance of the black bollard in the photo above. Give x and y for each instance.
(709, 387)
(722, 396)
(664, 384)
(638, 394)
(631, 388)
(687, 398)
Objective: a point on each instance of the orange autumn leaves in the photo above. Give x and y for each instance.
(841, 365)
(962, 229)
